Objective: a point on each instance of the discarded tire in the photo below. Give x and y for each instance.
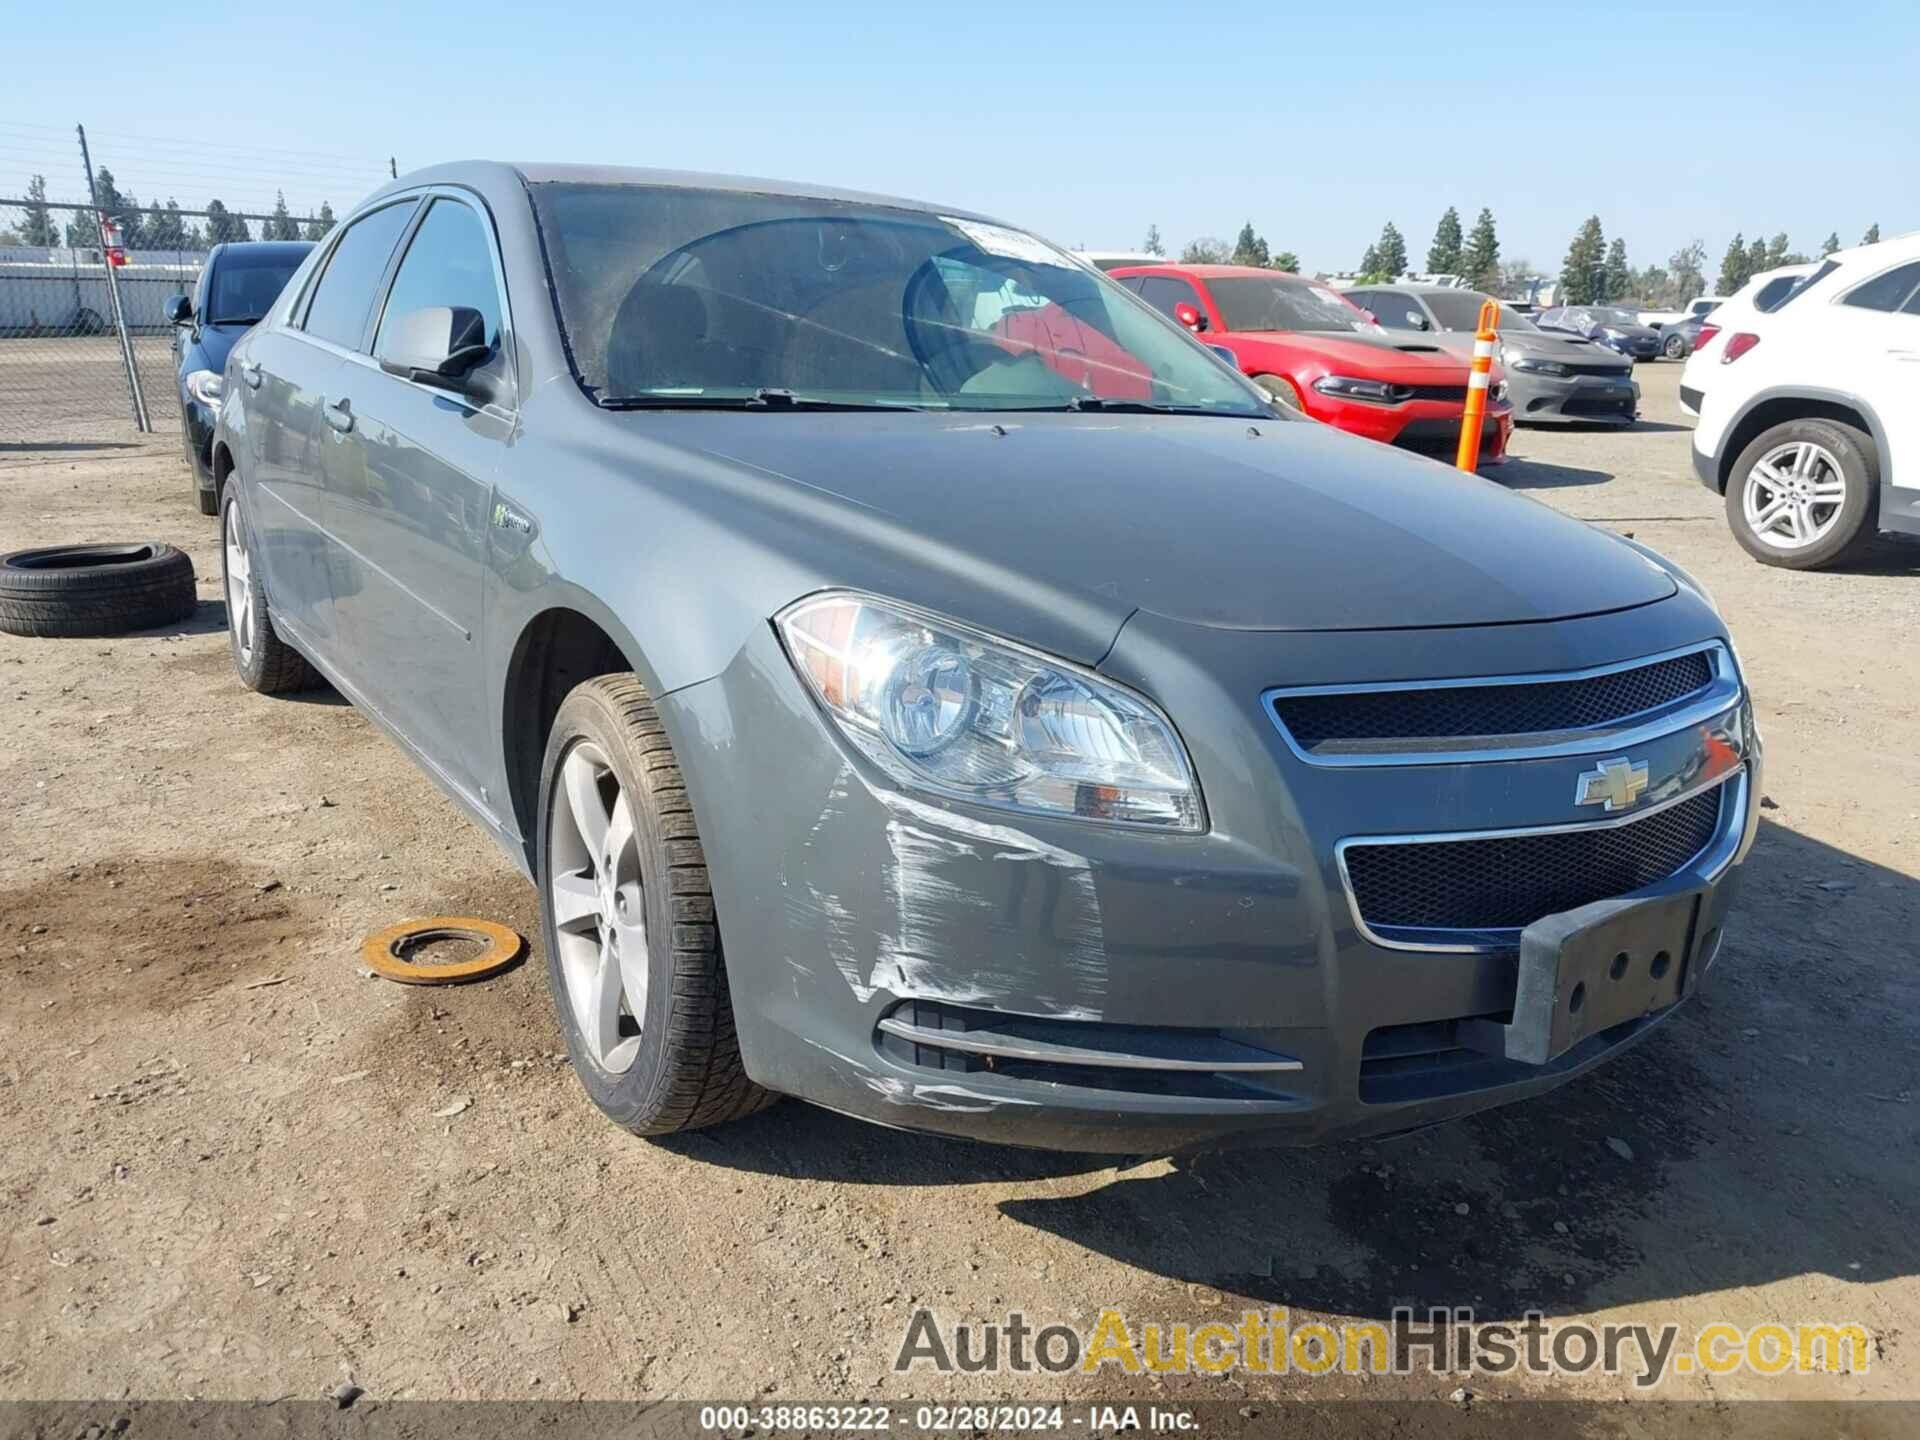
(94, 589)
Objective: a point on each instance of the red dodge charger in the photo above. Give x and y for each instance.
(1314, 350)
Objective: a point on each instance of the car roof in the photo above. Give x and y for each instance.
(482, 173)
(1214, 272)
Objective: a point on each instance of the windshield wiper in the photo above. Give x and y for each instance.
(1098, 405)
(765, 398)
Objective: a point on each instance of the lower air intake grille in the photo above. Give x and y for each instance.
(1508, 882)
(1444, 712)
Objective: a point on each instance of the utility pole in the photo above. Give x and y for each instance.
(140, 421)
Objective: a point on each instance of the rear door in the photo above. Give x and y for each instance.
(290, 368)
(413, 504)
(1877, 356)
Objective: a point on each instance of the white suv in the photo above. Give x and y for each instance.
(1808, 422)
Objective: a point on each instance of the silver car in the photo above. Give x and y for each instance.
(1552, 379)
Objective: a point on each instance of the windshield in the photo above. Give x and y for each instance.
(1512, 319)
(1456, 309)
(1613, 315)
(1254, 302)
(245, 286)
(681, 297)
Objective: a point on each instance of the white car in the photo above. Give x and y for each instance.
(1761, 295)
(1808, 423)
(1697, 308)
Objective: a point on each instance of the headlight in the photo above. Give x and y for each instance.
(942, 708)
(1537, 367)
(1348, 387)
(207, 387)
(1614, 334)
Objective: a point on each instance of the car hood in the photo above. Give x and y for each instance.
(1278, 525)
(216, 342)
(1411, 361)
(1567, 349)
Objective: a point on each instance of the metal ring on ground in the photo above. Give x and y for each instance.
(381, 950)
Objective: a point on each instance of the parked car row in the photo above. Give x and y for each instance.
(921, 679)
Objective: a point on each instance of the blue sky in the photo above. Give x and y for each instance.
(1084, 123)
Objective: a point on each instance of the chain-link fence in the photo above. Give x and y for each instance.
(85, 343)
(87, 272)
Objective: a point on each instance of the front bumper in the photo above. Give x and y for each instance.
(1634, 348)
(1573, 399)
(861, 924)
(1431, 427)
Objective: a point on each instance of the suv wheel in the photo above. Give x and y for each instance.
(633, 952)
(1804, 494)
(265, 662)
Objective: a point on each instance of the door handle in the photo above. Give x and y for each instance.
(250, 373)
(339, 415)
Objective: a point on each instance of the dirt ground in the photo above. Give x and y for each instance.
(230, 1167)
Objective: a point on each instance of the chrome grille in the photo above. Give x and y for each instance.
(1477, 712)
(1507, 882)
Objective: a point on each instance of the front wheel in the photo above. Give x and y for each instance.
(633, 950)
(1805, 494)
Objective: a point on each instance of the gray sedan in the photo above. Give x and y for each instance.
(919, 678)
(1551, 378)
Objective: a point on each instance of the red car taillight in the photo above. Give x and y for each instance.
(1707, 332)
(1738, 344)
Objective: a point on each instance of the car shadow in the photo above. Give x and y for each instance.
(1519, 473)
(1893, 555)
(1657, 427)
(1769, 1129)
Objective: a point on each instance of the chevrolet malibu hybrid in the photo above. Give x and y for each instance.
(921, 679)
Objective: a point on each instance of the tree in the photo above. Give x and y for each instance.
(1872, 237)
(1830, 244)
(1480, 261)
(1618, 275)
(319, 225)
(1204, 251)
(39, 228)
(1153, 244)
(1249, 248)
(1444, 255)
(1688, 265)
(280, 225)
(1733, 265)
(120, 207)
(166, 229)
(1756, 257)
(1370, 266)
(223, 226)
(1391, 249)
(1514, 280)
(1777, 252)
(1286, 260)
(1582, 273)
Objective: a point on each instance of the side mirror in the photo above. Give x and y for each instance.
(439, 346)
(1418, 321)
(1190, 316)
(179, 310)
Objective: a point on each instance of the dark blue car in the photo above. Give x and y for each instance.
(1606, 325)
(237, 285)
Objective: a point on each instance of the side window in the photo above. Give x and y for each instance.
(344, 295)
(448, 262)
(1704, 308)
(1164, 292)
(1393, 309)
(1888, 291)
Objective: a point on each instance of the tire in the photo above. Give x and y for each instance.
(671, 1061)
(94, 589)
(1281, 389)
(265, 662)
(1839, 462)
(1674, 347)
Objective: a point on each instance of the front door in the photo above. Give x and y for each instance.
(411, 492)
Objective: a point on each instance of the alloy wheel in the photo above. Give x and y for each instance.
(1793, 495)
(598, 919)
(239, 585)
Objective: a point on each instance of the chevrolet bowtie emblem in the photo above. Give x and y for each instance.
(1615, 784)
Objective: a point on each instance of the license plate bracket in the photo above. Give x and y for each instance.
(1590, 969)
